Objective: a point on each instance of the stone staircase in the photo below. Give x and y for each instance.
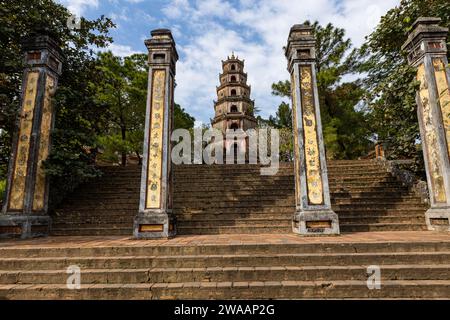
(287, 270)
(227, 199)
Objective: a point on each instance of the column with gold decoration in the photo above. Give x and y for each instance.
(24, 213)
(155, 218)
(427, 51)
(313, 215)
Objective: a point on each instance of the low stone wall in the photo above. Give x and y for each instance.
(407, 177)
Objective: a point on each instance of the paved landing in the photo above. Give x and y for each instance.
(231, 239)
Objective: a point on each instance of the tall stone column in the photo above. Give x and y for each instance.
(313, 214)
(24, 211)
(427, 50)
(155, 218)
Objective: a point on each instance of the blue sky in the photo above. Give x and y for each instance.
(206, 31)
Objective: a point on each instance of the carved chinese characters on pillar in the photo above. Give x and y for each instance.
(296, 148)
(21, 161)
(155, 149)
(435, 169)
(444, 96)
(312, 155)
(44, 146)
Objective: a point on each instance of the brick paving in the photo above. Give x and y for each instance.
(227, 239)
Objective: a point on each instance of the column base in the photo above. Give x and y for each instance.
(438, 219)
(316, 223)
(24, 227)
(148, 225)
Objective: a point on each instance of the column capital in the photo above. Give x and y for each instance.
(42, 50)
(426, 36)
(162, 49)
(301, 45)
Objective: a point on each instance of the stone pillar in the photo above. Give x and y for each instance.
(427, 50)
(313, 214)
(24, 211)
(155, 218)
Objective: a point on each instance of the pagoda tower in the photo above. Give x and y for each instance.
(233, 109)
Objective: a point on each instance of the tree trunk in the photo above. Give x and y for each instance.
(139, 158)
(124, 153)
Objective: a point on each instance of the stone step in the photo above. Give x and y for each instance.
(231, 260)
(287, 209)
(224, 222)
(374, 211)
(92, 224)
(268, 188)
(95, 231)
(348, 220)
(288, 186)
(130, 250)
(269, 228)
(350, 227)
(242, 201)
(263, 179)
(219, 274)
(395, 289)
(383, 206)
(206, 173)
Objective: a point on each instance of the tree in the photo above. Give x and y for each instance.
(78, 117)
(335, 59)
(123, 90)
(390, 81)
(283, 117)
(182, 119)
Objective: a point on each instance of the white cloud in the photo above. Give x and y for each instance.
(78, 7)
(119, 50)
(264, 26)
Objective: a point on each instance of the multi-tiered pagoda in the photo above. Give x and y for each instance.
(233, 108)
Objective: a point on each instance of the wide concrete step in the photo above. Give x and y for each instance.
(365, 227)
(425, 289)
(345, 220)
(219, 274)
(249, 223)
(92, 231)
(348, 247)
(272, 228)
(232, 260)
(380, 206)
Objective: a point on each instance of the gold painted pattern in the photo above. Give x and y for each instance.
(312, 154)
(17, 193)
(155, 153)
(44, 145)
(296, 148)
(437, 180)
(444, 96)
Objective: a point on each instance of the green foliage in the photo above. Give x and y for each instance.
(345, 130)
(391, 82)
(78, 117)
(182, 119)
(283, 117)
(123, 91)
(2, 189)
